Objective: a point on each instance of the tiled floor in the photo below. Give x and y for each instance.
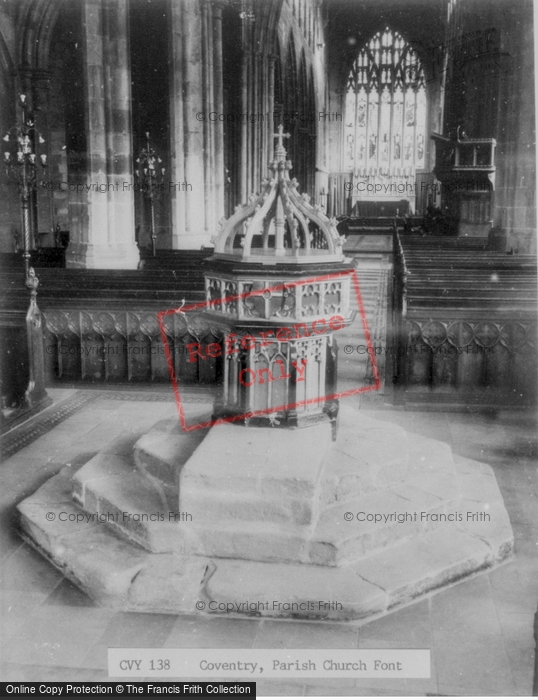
(479, 631)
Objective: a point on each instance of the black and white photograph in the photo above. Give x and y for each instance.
(268, 348)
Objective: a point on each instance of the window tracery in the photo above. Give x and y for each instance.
(386, 108)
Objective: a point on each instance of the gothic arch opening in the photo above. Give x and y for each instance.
(56, 79)
(67, 126)
(51, 78)
(295, 101)
(150, 107)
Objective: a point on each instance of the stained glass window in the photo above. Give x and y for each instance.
(386, 106)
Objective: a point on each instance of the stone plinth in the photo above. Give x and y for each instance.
(267, 520)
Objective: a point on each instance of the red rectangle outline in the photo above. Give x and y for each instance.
(274, 409)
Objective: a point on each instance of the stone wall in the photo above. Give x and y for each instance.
(490, 94)
(10, 220)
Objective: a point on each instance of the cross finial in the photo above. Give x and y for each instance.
(280, 135)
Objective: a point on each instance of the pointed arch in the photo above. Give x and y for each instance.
(386, 108)
(38, 19)
(294, 99)
(291, 81)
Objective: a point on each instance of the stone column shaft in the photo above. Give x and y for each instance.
(106, 230)
(219, 106)
(207, 81)
(197, 161)
(245, 103)
(270, 106)
(177, 163)
(256, 126)
(193, 105)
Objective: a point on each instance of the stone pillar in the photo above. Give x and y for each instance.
(10, 221)
(206, 106)
(197, 171)
(320, 100)
(269, 67)
(219, 107)
(256, 125)
(257, 100)
(245, 170)
(177, 163)
(515, 197)
(102, 224)
(213, 131)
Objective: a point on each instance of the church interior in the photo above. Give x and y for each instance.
(184, 180)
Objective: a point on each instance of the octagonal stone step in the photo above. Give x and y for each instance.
(348, 531)
(162, 451)
(114, 572)
(120, 575)
(373, 574)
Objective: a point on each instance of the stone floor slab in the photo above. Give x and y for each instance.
(292, 590)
